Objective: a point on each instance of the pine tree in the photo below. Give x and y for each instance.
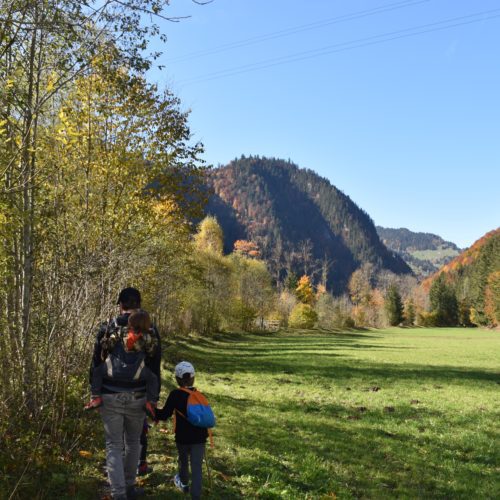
(291, 282)
(409, 313)
(443, 302)
(394, 306)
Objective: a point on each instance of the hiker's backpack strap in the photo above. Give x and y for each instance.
(109, 367)
(150, 340)
(110, 337)
(138, 373)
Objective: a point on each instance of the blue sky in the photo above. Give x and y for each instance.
(409, 128)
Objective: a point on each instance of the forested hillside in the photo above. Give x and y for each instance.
(425, 253)
(300, 222)
(473, 279)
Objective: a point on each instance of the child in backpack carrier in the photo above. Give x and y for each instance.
(193, 419)
(130, 351)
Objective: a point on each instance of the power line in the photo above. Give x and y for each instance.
(349, 45)
(297, 29)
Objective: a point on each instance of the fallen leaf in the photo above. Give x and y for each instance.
(85, 454)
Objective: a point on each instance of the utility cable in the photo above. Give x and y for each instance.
(349, 45)
(297, 29)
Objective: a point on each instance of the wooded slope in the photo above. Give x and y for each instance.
(287, 210)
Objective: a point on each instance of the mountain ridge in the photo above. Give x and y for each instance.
(281, 206)
(425, 253)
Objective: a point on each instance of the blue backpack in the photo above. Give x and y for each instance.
(199, 411)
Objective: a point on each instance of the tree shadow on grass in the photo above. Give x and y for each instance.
(319, 447)
(326, 365)
(381, 458)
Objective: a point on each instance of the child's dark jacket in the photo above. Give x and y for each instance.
(185, 433)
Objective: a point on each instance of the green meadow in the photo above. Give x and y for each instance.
(397, 413)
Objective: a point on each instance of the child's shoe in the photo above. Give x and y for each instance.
(94, 403)
(180, 485)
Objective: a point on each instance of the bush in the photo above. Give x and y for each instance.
(303, 316)
(334, 312)
(285, 305)
(243, 315)
(427, 318)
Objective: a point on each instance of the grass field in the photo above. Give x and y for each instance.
(400, 413)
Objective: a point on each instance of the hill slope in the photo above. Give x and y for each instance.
(475, 276)
(297, 218)
(425, 253)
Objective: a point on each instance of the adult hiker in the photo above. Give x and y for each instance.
(124, 396)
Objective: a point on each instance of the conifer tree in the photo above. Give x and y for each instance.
(291, 281)
(443, 302)
(394, 306)
(409, 313)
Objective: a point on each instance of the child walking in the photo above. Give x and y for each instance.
(190, 439)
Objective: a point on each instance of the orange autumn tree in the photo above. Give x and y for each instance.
(304, 290)
(247, 248)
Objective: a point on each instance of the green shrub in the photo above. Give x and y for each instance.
(302, 316)
(427, 318)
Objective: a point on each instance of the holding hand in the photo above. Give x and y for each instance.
(150, 408)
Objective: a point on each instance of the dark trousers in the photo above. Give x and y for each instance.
(193, 453)
(144, 443)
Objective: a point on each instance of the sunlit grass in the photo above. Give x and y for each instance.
(398, 413)
(401, 413)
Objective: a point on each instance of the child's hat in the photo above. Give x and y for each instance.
(184, 368)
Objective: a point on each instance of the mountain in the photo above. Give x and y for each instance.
(475, 278)
(425, 253)
(299, 220)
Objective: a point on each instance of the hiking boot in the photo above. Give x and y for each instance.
(134, 492)
(93, 403)
(144, 469)
(180, 485)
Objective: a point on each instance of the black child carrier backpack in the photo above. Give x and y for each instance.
(123, 366)
(124, 369)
